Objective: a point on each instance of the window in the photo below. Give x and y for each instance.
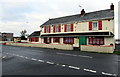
(47, 40)
(47, 29)
(95, 25)
(56, 29)
(68, 40)
(68, 28)
(96, 40)
(30, 39)
(56, 39)
(36, 39)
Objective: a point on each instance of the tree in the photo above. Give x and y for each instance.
(23, 34)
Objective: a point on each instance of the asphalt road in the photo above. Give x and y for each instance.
(38, 61)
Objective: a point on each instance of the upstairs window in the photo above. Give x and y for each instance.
(57, 28)
(47, 29)
(95, 26)
(68, 27)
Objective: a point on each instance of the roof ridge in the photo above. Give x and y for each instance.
(77, 17)
(78, 14)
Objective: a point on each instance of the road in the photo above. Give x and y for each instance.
(39, 61)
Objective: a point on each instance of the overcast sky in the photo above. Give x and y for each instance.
(17, 15)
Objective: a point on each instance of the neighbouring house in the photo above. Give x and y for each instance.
(34, 37)
(17, 39)
(7, 36)
(93, 31)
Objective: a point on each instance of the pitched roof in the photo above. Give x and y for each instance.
(102, 14)
(35, 34)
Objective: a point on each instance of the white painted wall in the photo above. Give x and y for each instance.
(101, 49)
(76, 42)
(84, 27)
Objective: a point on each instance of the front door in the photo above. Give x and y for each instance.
(82, 41)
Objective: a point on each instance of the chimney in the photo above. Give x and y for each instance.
(111, 6)
(82, 12)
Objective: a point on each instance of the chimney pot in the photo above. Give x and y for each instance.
(82, 12)
(112, 6)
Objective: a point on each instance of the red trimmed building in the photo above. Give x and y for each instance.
(93, 31)
(34, 37)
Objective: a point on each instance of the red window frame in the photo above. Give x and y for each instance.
(99, 25)
(68, 40)
(47, 40)
(56, 39)
(57, 28)
(70, 26)
(47, 29)
(96, 40)
(36, 39)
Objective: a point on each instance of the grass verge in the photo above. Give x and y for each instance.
(116, 52)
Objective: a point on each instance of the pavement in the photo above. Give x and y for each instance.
(40, 61)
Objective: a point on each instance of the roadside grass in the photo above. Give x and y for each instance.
(116, 52)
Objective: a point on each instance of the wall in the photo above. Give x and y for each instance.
(58, 46)
(102, 49)
(109, 40)
(106, 25)
(76, 42)
(84, 27)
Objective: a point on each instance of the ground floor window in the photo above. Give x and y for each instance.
(96, 40)
(56, 39)
(68, 40)
(34, 39)
(30, 39)
(47, 40)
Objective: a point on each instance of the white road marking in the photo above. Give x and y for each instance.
(74, 55)
(74, 67)
(21, 56)
(109, 74)
(49, 62)
(14, 54)
(33, 59)
(85, 56)
(89, 70)
(18, 55)
(4, 57)
(7, 53)
(63, 65)
(41, 61)
(26, 57)
(57, 64)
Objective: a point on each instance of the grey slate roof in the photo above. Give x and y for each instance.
(102, 14)
(35, 34)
